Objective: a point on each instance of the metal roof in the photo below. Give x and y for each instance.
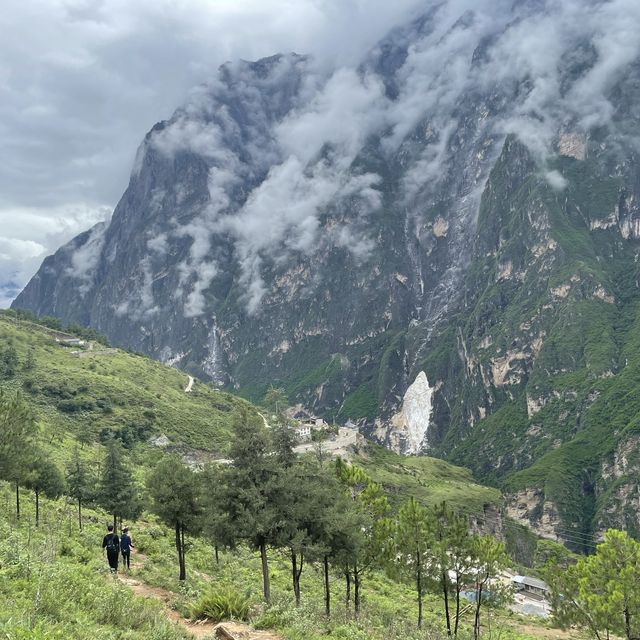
(531, 582)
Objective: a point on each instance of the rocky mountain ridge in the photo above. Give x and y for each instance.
(440, 244)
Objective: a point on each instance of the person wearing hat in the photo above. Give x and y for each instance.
(125, 547)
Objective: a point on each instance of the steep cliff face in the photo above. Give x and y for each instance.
(441, 244)
(287, 225)
(539, 372)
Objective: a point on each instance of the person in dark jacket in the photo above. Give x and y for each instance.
(125, 547)
(111, 544)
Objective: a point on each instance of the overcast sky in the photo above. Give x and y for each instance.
(81, 81)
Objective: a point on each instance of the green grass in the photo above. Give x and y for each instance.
(52, 565)
(221, 604)
(92, 395)
(54, 583)
(429, 480)
(136, 398)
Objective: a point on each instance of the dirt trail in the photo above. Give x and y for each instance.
(198, 629)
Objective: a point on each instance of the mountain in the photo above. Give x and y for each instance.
(440, 244)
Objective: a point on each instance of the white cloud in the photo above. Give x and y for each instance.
(84, 259)
(342, 114)
(202, 138)
(140, 304)
(359, 244)
(28, 235)
(158, 244)
(81, 80)
(556, 180)
(195, 304)
(281, 216)
(319, 139)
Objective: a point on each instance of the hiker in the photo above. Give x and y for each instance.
(125, 548)
(112, 545)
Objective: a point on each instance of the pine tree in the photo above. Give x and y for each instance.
(248, 491)
(117, 491)
(451, 550)
(276, 401)
(216, 524)
(45, 478)
(458, 551)
(176, 499)
(296, 504)
(292, 493)
(375, 540)
(8, 362)
(29, 363)
(489, 559)
(283, 440)
(86, 435)
(414, 539)
(18, 432)
(80, 484)
(334, 526)
(600, 592)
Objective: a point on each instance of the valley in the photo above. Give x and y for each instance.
(352, 343)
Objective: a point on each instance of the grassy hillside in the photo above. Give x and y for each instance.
(429, 480)
(53, 580)
(55, 585)
(98, 392)
(93, 394)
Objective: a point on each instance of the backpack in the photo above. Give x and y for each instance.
(112, 545)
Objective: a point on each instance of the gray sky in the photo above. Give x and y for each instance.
(81, 81)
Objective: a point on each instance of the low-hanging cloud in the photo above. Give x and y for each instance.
(85, 258)
(81, 80)
(29, 234)
(469, 49)
(303, 157)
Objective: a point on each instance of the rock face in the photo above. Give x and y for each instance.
(529, 508)
(412, 421)
(452, 205)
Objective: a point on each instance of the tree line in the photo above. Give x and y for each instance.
(600, 593)
(317, 512)
(330, 514)
(50, 322)
(26, 464)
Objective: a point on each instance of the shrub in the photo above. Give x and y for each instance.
(221, 604)
(75, 405)
(278, 616)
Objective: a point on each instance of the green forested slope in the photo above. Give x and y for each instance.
(95, 394)
(55, 585)
(89, 396)
(428, 480)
